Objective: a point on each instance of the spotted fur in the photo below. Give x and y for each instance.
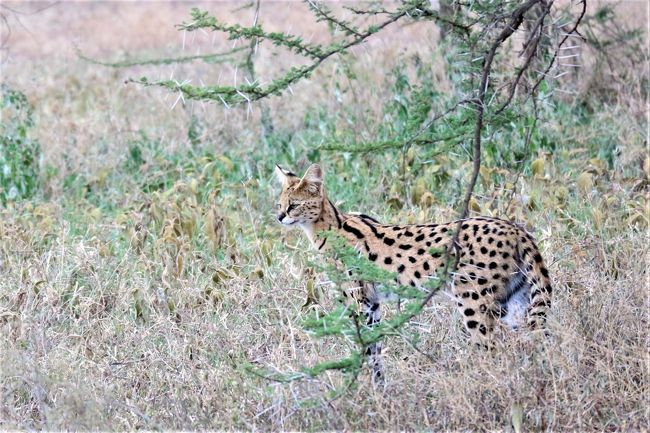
(500, 277)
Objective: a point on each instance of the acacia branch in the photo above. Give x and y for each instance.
(377, 11)
(574, 30)
(530, 46)
(254, 91)
(209, 58)
(201, 20)
(326, 15)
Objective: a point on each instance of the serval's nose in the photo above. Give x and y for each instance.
(281, 216)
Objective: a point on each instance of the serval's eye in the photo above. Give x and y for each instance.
(291, 207)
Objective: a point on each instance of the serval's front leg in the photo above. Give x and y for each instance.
(371, 310)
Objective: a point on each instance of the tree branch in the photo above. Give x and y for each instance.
(574, 30)
(210, 58)
(254, 92)
(326, 15)
(531, 47)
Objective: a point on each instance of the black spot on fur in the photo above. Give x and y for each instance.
(388, 260)
(371, 226)
(372, 257)
(405, 247)
(412, 259)
(401, 268)
(469, 312)
(388, 241)
(472, 324)
(419, 238)
(416, 274)
(425, 266)
(364, 216)
(353, 230)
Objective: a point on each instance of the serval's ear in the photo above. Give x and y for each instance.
(313, 179)
(283, 175)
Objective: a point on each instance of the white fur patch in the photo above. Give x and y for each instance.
(517, 306)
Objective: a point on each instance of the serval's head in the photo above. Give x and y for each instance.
(301, 199)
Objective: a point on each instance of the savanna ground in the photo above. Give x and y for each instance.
(148, 270)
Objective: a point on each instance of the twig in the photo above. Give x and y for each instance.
(378, 11)
(529, 134)
(214, 57)
(535, 37)
(327, 16)
(572, 32)
(47, 6)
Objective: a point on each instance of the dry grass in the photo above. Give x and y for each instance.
(101, 330)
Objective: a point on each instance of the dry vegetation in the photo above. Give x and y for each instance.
(136, 284)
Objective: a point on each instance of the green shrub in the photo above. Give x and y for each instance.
(19, 154)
